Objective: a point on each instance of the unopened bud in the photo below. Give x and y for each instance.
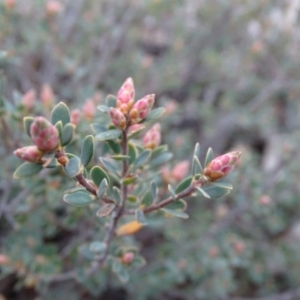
(47, 95)
(53, 7)
(134, 128)
(4, 260)
(117, 118)
(152, 137)
(127, 258)
(265, 200)
(9, 4)
(141, 108)
(28, 99)
(222, 165)
(29, 153)
(89, 109)
(239, 247)
(75, 116)
(180, 170)
(126, 93)
(44, 134)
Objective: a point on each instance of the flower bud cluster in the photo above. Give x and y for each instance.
(45, 137)
(152, 138)
(128, 112)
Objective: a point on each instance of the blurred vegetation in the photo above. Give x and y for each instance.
(229, 73)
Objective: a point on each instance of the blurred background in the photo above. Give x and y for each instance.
(228, 72)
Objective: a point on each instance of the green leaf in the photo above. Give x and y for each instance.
(132, 198)
(223, 184)
(120, 271)
(114, 146)
(138, 261)
(209, 156)
(203, 192)
(73, 167)
(109, 164)
(74, 190)
(111, 101)
(27, 121)
(129, 179)
(87, 150)
(60, 113)
(97, 174)
(215, 191)
(185, 183)
(102, 188)
(172, 191)
(154, 114)
(97, 247)
(103, 108)
(120, 157)
(179, 205)
(108, 135)
(196, 166)
(116, 194)
(105, 210)
(67, 134)
(197, 150)
(161, 159)
(80, 198)
(27, 169)
(175, 213)
(132, 152)
(59, 127)
(147, 199)
(142, 158)
(98, 128)
(140, 217)
(153, 190)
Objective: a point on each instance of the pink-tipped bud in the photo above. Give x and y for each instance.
(117, 118)
(53, 7)
(89, 109)
(28, 99)
(152, 137)
(180, 170)
(9, 4)
(44, 134)
(134, 128)
(126, 92)
(30, 153)
(141, 108)
(75, 116)
(47, 95)
(127, 258)
(222, 165)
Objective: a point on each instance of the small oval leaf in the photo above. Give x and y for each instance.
(108, 135)
(67, 134)
(175, 213)
(97, 174)
(27, 121)
(80, 198)
(155, 114)
(87, 150)
(142, 158)
(73, 167)
(209, 156)
(103, 108)
(27, 169)
(140, 217)
(102, 188)
(105, 210)
(185, 183)
(60, 113)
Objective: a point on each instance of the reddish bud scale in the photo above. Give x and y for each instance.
(30, 153)
(141, 109)
(44, 134)
(222, 165)
(117, 118)
(152, 137)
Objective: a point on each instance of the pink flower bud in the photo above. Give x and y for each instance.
(141, 108)
(127, 258)
(222, 165)
(29, 153)
(134, 128)
(75, 116)
(117, 118)
(28, 99)
(53, 7)
(152, 137)
(180, 170)
(47, 95)
(44, 134)
(9, 4)
(4, 259)
(89, 109)
(126, 93)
